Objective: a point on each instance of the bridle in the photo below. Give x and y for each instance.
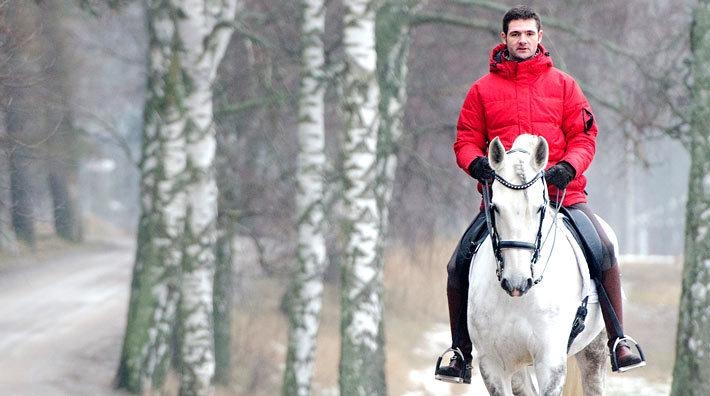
(490, 209)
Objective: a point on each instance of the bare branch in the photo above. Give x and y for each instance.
(422, 18)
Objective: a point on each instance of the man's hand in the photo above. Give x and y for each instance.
(481, 170)
(560, 174)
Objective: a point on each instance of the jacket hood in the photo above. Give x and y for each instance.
(540, 62)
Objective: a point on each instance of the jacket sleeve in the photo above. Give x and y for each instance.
(580, 129)
(470, 131)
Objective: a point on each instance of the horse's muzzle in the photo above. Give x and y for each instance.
(517, 290)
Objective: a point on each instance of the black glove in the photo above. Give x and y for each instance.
(560, 174)
(481, 170)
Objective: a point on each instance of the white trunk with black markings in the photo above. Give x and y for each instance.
(307, 287)
(393, 40)
(362, 349)
(173, 275)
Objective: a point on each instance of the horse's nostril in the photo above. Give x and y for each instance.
(505, 285)
(529, 283)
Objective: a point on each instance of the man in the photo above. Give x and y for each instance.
(525, 93)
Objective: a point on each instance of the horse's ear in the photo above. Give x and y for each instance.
(538, 161)
(496, 154)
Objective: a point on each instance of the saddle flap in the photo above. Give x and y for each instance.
(584, 232)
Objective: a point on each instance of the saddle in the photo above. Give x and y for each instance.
(579, 225)
(583, 231)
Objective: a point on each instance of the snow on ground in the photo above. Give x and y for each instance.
(423, 383)
(438, 339)
(61, 321)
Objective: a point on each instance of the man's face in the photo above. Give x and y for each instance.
(522, 38)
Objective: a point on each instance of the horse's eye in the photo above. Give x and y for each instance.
(495, 209)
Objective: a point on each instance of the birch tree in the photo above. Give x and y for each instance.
(171, 292)
(362, 346)
(691, 374)
(393, 40)
(307, 287)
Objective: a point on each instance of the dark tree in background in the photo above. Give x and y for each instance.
(63, 150)
(691, 374)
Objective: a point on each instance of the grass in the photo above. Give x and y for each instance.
(415, 300)
(651, 313)
(415, 295)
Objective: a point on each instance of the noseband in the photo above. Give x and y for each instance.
(498, 244)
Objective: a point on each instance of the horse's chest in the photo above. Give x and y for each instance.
(513, 331)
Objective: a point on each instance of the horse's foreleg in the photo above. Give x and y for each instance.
(522, 383)
(592, 362)
(496, 381)
(551, 375)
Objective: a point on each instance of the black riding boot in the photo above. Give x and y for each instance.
(458, 369)
(623, 358)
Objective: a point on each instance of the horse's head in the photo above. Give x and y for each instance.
(518, 203)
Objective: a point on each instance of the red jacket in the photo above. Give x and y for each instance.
(529, 97)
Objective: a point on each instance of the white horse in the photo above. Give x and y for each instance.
(525, 292)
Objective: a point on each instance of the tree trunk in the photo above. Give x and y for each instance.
(362, 356)
(393, 26)
(63, 189)
(691, 374)
(8, 242)
(21, 202)
(223, 294)
(22, 66)
(61, 144)
(174, 270)
(307, 287)
(224, 282)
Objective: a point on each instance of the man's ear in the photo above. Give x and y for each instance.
(539, 36)
(502, 36)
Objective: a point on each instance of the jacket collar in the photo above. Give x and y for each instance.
(540, 62)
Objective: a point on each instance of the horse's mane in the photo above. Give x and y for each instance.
(527, 143)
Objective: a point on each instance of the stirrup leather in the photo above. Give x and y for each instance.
(460, 377)
(614, 362)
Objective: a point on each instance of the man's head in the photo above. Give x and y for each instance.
(521, 32)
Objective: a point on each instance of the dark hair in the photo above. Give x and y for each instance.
(520, 12)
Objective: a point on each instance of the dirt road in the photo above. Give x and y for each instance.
(62, 316)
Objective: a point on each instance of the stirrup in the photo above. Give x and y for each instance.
(460, 378)
(614, 362)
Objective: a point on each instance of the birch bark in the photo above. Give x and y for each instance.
(362, 349)
(307, 287)
(174, 268)
(393, 40)
(691, 373)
